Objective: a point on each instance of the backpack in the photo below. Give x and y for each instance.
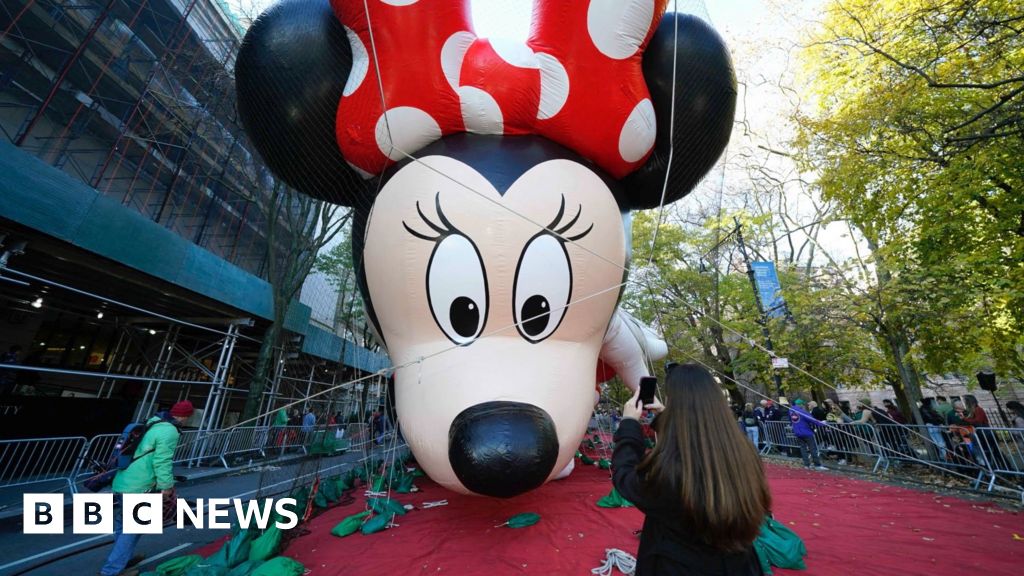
(750, 422)
(121, 457)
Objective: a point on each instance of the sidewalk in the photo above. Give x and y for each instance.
(19, 552)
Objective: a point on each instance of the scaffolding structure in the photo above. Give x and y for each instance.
(136, 99)
(157, 360)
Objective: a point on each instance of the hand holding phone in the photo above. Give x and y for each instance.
(648, 386)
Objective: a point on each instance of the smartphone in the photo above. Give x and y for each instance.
(648, 385)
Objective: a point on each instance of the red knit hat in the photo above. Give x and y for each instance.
(182, 409)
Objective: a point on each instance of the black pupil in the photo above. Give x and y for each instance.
(465, 316)
(535, 314)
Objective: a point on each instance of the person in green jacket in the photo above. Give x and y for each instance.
(152, 470)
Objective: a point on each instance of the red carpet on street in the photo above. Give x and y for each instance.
(849, 526)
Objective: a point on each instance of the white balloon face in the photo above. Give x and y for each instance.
(506, 297)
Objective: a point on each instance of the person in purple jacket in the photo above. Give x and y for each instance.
(803, 428)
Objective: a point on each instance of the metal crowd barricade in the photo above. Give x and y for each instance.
(211, 446)
(851, 442)
(35, 460)
(958, 449)
(285, 438)
(991, 453)
(97, 449)
(847, 441)
(68, 460)
(358, 434)
(1002, 453)
(186, 443)
(241, 440)
(777, 434)
(902, 443)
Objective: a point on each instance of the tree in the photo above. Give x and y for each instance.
(696, 291)
(350, 319)
(916, 137)
(297, 228)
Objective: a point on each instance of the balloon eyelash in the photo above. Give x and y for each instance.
(560, 231)
(445, 229)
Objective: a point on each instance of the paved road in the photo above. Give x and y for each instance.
(26, 554)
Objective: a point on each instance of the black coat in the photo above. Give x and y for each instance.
(667, 546)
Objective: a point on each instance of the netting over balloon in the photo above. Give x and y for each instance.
(491, 182)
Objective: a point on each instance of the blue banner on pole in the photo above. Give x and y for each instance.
(769, 288)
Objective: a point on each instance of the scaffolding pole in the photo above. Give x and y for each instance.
(159, 372)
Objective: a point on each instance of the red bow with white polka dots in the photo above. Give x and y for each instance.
(576, 81)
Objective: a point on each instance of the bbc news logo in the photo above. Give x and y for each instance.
(144, 513)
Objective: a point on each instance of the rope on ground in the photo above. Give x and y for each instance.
(615, 558)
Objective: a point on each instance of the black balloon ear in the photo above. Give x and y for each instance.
(289, 75)
(705, 104)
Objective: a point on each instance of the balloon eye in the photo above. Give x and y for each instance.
(464, 315)
(542, 287)
(457, 289)
(536, 314)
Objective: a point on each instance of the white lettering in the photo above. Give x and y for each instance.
(142, 513)
(218, 509)
(196, 518)
(253, 509)
(92, 513)
(293, 518)
(43, 513)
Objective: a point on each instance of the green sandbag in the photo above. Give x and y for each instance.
(330, 491)
(350, 524)
(586, 460)
(280, 566)
(244, 569)
(779, 546)
(323, 443)
(320, 501)
(405, 485)
(178, 566)
(648, 443)
(379, 483)
(376, 524)
(386, 506)
(604, 464)
(614, 500)
(205, 568)
(233, 552)
(342, 482)
(266, 546)
(359, 472)
(523, 520)
(417, 473)
(301, 496)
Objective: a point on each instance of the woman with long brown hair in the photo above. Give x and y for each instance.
(701, 488)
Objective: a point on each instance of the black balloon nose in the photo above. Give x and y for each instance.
(502, 448)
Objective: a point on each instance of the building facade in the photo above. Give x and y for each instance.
(133, 243)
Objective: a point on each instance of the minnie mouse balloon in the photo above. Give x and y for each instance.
(492, 183)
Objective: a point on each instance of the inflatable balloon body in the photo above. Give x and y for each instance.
(492, 184)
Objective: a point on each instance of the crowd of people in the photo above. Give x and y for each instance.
(958, 432)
